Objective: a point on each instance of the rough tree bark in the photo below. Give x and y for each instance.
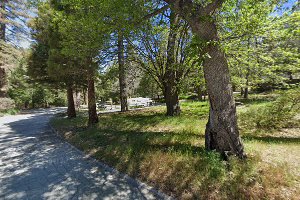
(170, 84)
(222, 132)
(93, 117)
(122, 73)
(246, 91)
(84, 96)
(71, 106)
(172, 100)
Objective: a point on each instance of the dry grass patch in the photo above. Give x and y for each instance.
(169, 154)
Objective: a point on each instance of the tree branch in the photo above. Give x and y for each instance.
(156, 12)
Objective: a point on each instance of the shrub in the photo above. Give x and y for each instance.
(6, 103)
(277, 114)
(11, 111)
(59, 101)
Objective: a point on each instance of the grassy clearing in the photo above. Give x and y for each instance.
(169, 154)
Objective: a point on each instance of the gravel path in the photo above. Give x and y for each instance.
(36, 164)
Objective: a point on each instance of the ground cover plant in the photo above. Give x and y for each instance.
(168, 152)
(8, 112)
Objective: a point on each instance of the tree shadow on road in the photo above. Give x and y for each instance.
(36, 164)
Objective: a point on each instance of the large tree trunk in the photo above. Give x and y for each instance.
(84, 96)
(222, 132)
(172, 100)
(122, 73)
(71, 106)
(170, 83)
(3, 82)
(246, 92)
(93, 117)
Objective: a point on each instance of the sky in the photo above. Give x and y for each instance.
(288, 5)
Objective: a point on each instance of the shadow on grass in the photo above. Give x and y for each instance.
(168, 160)
(253, 101)
(176, 162)
(270, 139)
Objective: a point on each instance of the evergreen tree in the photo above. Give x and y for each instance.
(13, 17)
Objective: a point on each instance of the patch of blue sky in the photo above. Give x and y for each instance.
(285, 7)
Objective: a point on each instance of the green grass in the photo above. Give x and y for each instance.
(12, 111)
(168, 153)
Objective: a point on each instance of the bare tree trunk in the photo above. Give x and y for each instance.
(71, 106)
(26, 104)
(246, 91)
(170, 84)
(222, 132)
(122, 75)
(172, 100)
(3, 82)
(84, 96)
(93, 117)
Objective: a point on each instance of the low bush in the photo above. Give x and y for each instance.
(59, 101)
(11, 111)
(6, 103)
(277, 114)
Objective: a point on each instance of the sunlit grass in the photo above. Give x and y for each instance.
(168, 153)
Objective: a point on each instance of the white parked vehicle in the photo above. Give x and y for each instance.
(104, 105)
(140, 101)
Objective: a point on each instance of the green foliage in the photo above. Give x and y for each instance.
(19, 88)
(39, 97)
(39, 54)
(59, 100)
(11, 111)
(83, 34)
(148, 87)
(107, 85)
(194, 83)
(274, 115)
(262, 49)
(27, 94)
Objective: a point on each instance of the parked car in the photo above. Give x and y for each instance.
(140, 101)
(104, 105)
